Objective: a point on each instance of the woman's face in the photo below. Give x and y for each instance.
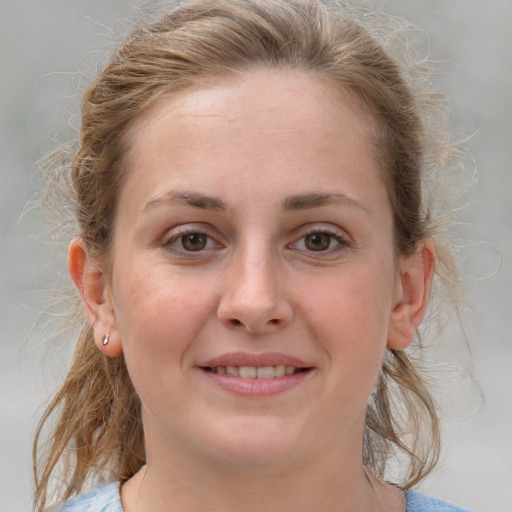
(253, 274)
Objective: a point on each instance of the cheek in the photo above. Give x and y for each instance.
(349, 323)
(160, 317)
(161, 312)
(349, 316)
(351, 306)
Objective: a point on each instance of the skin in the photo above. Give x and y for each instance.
(256, 150)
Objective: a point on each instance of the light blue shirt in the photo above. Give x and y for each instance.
(107, 499)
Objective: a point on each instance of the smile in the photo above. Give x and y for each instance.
(256, 372)
(257, 375)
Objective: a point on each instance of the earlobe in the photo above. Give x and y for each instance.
(94, 290)
(413, 290)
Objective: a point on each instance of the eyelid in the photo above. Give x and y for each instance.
(337, 233)
(174, 234)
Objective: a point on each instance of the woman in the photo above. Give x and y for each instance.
(255, 253)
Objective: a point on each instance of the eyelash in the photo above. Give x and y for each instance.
(169, 243)
(341, 242)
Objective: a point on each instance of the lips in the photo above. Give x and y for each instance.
(256, 375)
(239, 359)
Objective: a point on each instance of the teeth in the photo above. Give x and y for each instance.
(231, 370)
(289, 370)
(279, 370)
(255, 372)
(265, 372)
(247, 372)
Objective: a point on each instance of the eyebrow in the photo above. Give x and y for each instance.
(194, 199)
(317, 199)
(292, 203)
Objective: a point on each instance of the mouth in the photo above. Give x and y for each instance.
(257, 375)
(256, 372)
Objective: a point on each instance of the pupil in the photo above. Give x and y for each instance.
(318, 241)
(194, 242)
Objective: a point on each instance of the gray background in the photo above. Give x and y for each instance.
(43, 44)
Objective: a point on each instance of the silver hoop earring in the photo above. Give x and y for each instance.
(104, 341)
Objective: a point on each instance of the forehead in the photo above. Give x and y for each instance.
(256, 97)
(254, 132)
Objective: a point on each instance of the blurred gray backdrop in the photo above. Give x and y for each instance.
(43, 46)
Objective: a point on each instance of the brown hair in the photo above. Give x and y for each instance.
(99, 427)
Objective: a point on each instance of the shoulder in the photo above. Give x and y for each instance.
(419, 502)
(105, 499)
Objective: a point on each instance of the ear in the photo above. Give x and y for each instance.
(411, 296)
(96, 293)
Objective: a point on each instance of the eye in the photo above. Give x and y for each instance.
(191, 241)
(320, 241)
(194, 241)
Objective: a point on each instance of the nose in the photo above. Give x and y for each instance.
(255, 298)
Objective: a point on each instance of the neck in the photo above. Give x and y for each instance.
(329, 478)
(304, 487)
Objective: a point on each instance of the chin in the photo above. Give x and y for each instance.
(252, 443)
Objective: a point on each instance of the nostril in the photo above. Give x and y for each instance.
(273, 321)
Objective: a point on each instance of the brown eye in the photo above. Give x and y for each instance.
(194, 241)
(318, 241)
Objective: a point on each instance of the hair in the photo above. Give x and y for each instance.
(98, 431)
